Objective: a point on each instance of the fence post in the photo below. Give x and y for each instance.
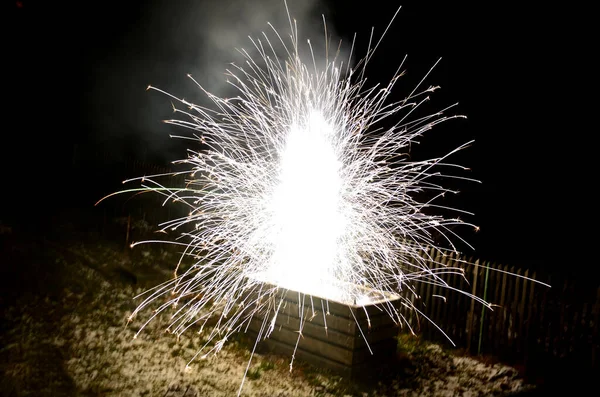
(501, 334)
(485, 285)
(472, 311)
(521, 311)
(531, 313)
(442, 263)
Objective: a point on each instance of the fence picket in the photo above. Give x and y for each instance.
(521, 311)
(472, 310)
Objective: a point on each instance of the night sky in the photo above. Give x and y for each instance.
(78, 73)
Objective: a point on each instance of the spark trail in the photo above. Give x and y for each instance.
(302, 182)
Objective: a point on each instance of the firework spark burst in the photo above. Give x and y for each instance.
(302, 182)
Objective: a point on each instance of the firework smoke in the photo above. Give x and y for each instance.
(302, 181)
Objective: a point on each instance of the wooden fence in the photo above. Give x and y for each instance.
(527, 319)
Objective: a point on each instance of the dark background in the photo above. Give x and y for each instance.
(78, 72)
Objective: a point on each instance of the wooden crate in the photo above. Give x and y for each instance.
(347, 340)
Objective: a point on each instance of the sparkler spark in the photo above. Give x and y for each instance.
(303, 182)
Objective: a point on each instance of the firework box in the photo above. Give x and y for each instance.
(347, 339)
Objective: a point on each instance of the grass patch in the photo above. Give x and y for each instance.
(256, 372)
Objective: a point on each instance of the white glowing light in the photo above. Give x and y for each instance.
(309, 193)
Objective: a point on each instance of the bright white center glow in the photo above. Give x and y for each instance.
(307, 212)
